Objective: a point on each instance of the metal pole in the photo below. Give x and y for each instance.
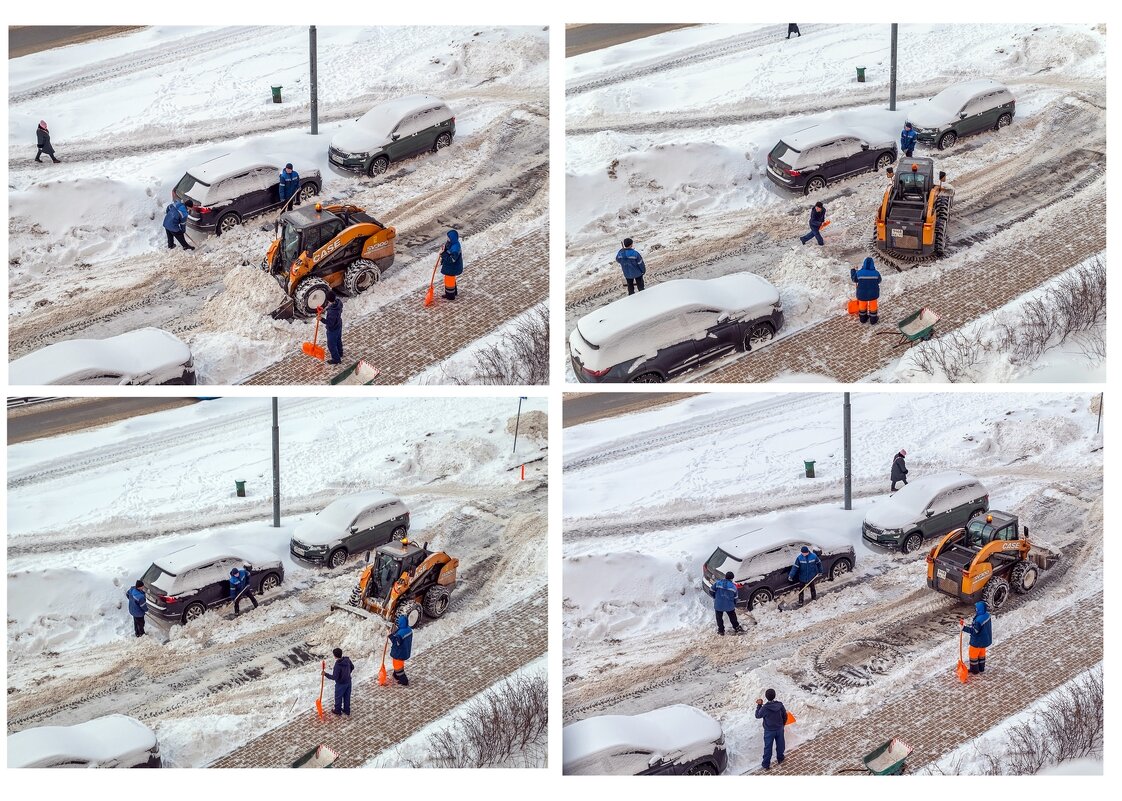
(892, 75)
(276, 466)
(315, 96)
(517, 420)
(1099, 422)
(848, 454)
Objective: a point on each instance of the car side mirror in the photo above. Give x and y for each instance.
(354, 529)
(962, 115)
(654, 760)
(724, 317)
(368, 556)
(1026, 532)
(864, 145)
(929, 512)
(394, 136)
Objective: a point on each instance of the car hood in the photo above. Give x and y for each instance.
(134, 354)
(317, 532)
(356, 138)
(931, 114)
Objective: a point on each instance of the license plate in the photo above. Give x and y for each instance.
(941, 573)
(298, 550)
(897, 231)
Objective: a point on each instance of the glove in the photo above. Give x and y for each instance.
(962, 621)
(759, 702)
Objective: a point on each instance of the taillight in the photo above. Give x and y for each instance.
(202, 209)
(594, 373)
(167, 599)
(794, 173)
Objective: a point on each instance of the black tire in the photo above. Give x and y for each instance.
(336, 558)
(942, 221)
(884, 160)
(816, 184)
(442, 141)
(1023, 577)
(269, 583)
(760, 596)
(947, 140)
(306, 191)
(378, 166)
(977, 513)
(840, 568)
(412, 612)
(704, 769)
(1003, 121)
(226, 223)
(361, 276)
(399, 533)
(647, 378)
(194, 611)
(435, 601)
(759, 334)
(310, 294)
(996, 593)
(911, 542)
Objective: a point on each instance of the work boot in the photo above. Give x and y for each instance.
(39, 159)
(56, 161)
(721, 632)
(739, 629)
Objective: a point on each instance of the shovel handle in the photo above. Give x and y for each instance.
(432, 281)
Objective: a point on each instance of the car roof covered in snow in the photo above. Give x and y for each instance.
(830, 131)
(220, 167)
(671, 728)
(129, 355)
(940, 109)
(178, 562)
(101, 740)
(383, 117)
(729, 293)
(765, 538)
(908, 504)
(328, 524)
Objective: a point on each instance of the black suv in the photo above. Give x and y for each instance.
(815, 157)
(186, 583)
(760, 572)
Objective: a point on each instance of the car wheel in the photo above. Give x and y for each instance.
(977, 513)
(1024, 576)
(815, 184)
(647, 378)
(1003, 121)
(759, 334)
(306, 191)
(704, 769)
(270, 582)
(946, 140)
(378, 166)
(996, 593)
(398, 534)
(193, 611)
(412, 612)
(435, 601)
(310, 294)
(884, 160)
(337, 558)
(226, 223)
(760, 596)
(442, 141)
(912, 542)
(839, 569)
(360, 276)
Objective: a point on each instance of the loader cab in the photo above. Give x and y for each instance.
(306, 229)
(983, 530)
(391, 561)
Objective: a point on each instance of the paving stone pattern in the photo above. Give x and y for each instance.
(941, 714)
(440, 679)
(404, 338)
(847, 351)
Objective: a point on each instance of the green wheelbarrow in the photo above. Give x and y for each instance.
(319, 757)
(916, 327)
(361, 373)
(888, 760)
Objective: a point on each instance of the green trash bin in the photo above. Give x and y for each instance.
(277, 96)
(239, 486)
(860, 79)
(809, 466)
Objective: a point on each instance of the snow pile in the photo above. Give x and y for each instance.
(43, 615)
(103, 741)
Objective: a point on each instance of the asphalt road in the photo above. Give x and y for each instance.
(65, 415)
(586, 38)
(584, 408)
(26, 39)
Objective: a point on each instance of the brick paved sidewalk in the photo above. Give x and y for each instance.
(441, 678)
(847, 351)
(404, 338)
(941, 714)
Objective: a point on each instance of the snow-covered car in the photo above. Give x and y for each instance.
(349, 525)
(391, 131)
(669, 328)
(924, 508)
(815, 157)
(230, 188)
(962, 109)
(113, 741)
(760, 564)
(144, 356)
(675, 739)
(186, 583)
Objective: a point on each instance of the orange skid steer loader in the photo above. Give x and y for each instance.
(914, 215)
(404, 579)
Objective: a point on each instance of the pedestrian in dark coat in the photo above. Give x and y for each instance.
(138, 607)
(724, 602)
(289, 182)
(240, 589)
(632, 265)
(908, 139)
(806, 570)
(980, 630)
(333, 324)
(451, 264)
(43, 139)
(401, 646)
(867, 280)
(899, 469)
(175, 223)
(341, 675)
(817, 217)
(774, 716)
(793, 27)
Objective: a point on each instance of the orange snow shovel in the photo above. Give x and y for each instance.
(823, 225)
(311, 348)
(428, 299)
(962, 671)
(790, 719)
(319, 701)
(383, 679)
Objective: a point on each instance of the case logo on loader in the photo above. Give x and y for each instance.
(1012, 545)
(327, 250)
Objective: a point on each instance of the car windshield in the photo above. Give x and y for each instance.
(192, 187)
(290, 243)
(157, 578)
(718, 562)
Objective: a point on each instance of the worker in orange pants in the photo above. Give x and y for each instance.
(401, 646)
(451, 263)
(867, 280)
(980, 630)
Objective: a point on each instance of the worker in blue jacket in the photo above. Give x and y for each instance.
(341, 675)
(631, 262)
(774, 716)
(980, 630)
(908, 139)
(867, 280)
(724, 602)
(333, 324)
(401, 646)
(240, 589)
(289, 182)
(806, 570)
(138, 607)
(817, 219)
(451, 264)
(175, 223)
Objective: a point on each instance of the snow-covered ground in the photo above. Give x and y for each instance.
(131, 113)
(89, 511)
(667, 142)
(649, 496)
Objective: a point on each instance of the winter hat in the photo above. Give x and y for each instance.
(43, 124)
(805, 549)
(233, 571)
(903, 452)
(728, 575)
(907, 125)
(288, 166)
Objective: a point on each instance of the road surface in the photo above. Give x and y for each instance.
(72, 414)
(24, 40)
(584, 408)
(587, 38)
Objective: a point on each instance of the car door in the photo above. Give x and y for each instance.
(851, 157)
(202, 585)
(364, 530)
(677, 351)
(269, 180)
(829, 156)
(722, 333)
(244, 191)
(974, 120)
(942, 517)
(405, 143)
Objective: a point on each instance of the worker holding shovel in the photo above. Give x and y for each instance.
(806, 570)
(980, 630)
(817, 223)
(333, 324)
(451, 264)
(341, 675)
(401, 642)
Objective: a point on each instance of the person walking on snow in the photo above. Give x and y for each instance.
(43, 139)
(289, 182)
(793, 27)
(632, 265)
(175, 223)
(401, 646)
(774, 716)
(240, 589)
(138, 607)
(451, 264)
(724, 602)
(806, 570)
(980, 630)
(867, 280)
(908, 139)
(333, 324)
(341, 675)
(817, 217)
(899, 469)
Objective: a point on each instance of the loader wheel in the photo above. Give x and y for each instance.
(760, 596)
(378, 166)
(226, 223)
(912, 542)
(884, 160)
(337, 558)
(1023, 577)
(839, 569)
(946, 140)
(412, 612)
(442, 141)
(942, 215)
(310, 294)
(399, 534)
(759, 334)
(306, 191)
(996, 593)
(815, 184)
(435, 602)
(360, 276)
(1003, 121)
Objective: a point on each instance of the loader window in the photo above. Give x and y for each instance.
(290, 243)
(978, 533)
